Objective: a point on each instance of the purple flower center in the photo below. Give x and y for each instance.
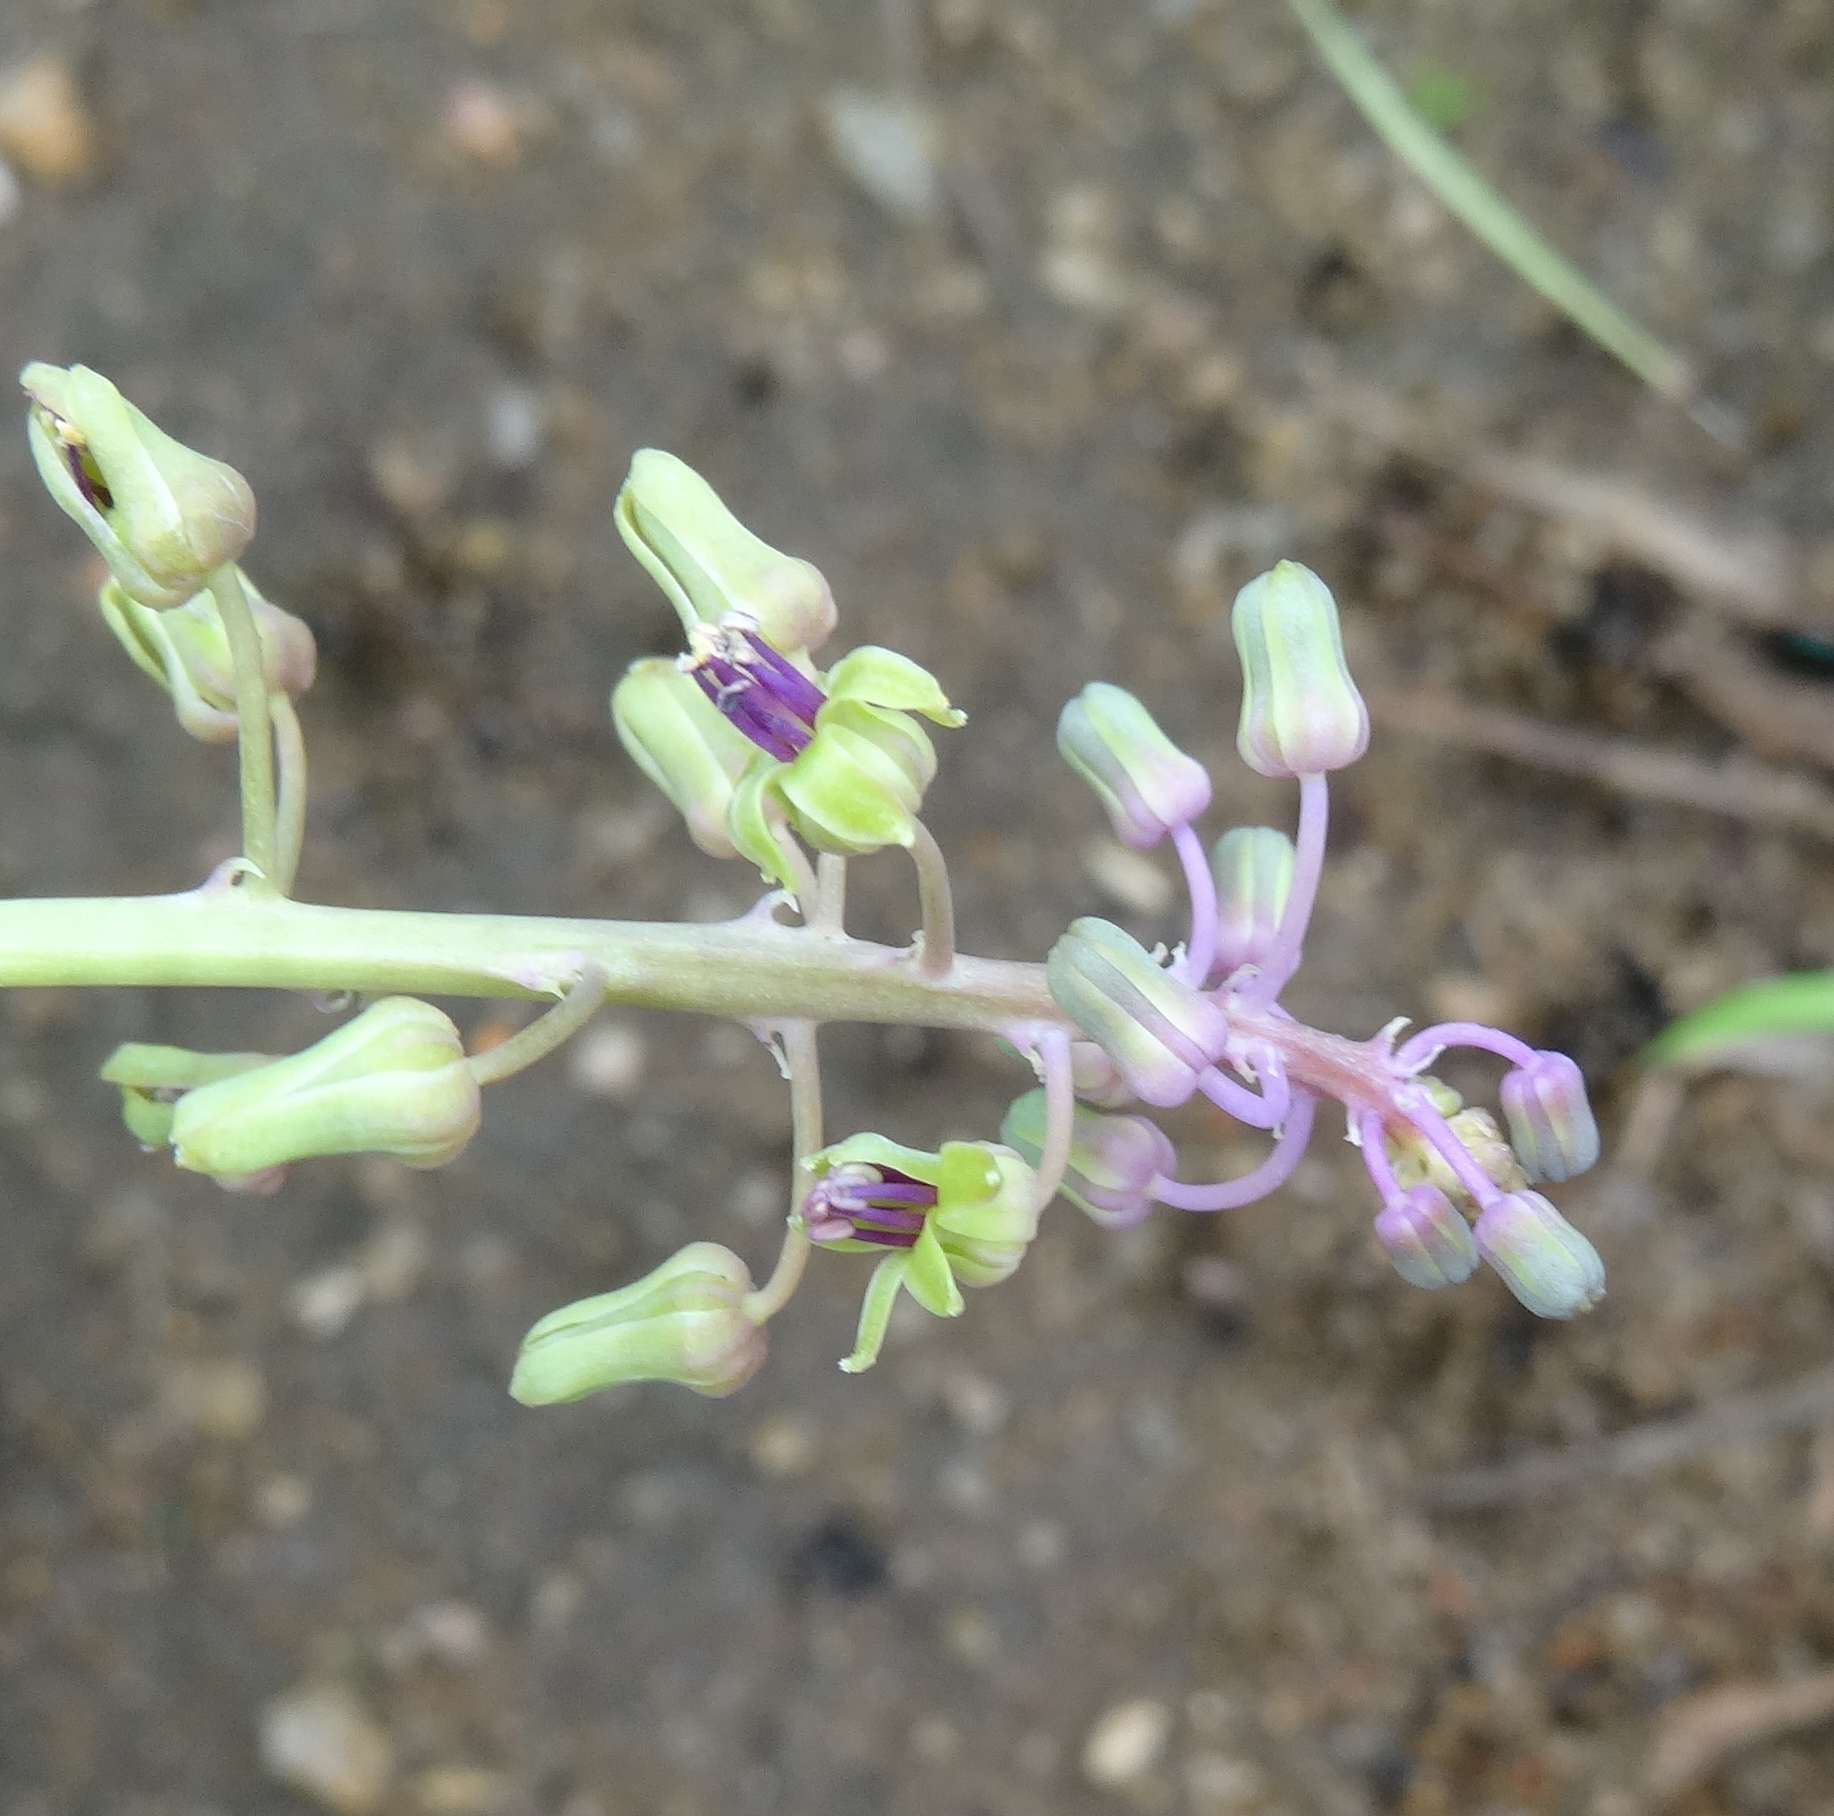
(764, 694)
(855, 1202)
(80, 461)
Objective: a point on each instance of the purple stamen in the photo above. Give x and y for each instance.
(84, 471)
(855, 1202)
(764, 694)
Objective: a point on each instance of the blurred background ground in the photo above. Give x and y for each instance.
(1152, 1528)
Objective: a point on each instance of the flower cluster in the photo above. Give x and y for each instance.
(762, 753)
(1452, 1190)
(798, 769)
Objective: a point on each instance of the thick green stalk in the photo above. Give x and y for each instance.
(751, 969)
(255, 736)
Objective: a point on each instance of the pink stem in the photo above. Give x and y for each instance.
(1200, 953)
(1418, 1050)
(1308, 864)
(1274, 1171)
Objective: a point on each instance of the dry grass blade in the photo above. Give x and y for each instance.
(1697, 1733)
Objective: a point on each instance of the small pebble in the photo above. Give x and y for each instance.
(320, 1740)
(781, 1446)
(884, 145)
(1220, 1782)
(226, 1400)
(458, 1791)
(9, 192)
(44, 127)
(608, 1060)
(1126, 1743)
(324, 1303)
(481, 122)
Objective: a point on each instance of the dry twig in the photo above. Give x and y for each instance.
(1733, 1419)
(1737, 786)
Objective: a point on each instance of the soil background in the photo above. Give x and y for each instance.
(1152, 1527)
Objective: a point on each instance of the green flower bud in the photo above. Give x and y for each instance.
(709, 564)
(683, 1322)
(163, 517)
(1301, 713)
(186, 650)
(1159, 1031)
(1113, 1159)
(1146, 784)
(684, 744)
(392, 1081)
(1253, 868)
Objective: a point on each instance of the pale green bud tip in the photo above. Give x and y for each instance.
(1428, 1241)
(1301, 712)
(1253, 869)
(1159, 1032)
(709, 564)
(1146, 784)
(684, 744)
(1543, 1260)
(393, 1081)
(684, 1322)
(163, 516)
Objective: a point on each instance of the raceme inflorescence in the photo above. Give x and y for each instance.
(796, 768)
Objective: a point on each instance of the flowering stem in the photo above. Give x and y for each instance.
(1263, 1109)
(1200, 954)
(937, 902)
(254, 741)
(830, 893)
(802, 873)
(1308, 865)
(1274, 1171)
(547, 1031)
(1372, 1137)
(1053, 1051)
(1456, 1155)
(799, 1048)
(290, 815)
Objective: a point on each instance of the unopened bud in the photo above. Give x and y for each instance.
(1113, 1159)
(153, 1078)
(392, 1081)
(1158, 1030)
(1301, 712)
(1543, 1260)
(1096, 1079)
(1550, 1121)
(1143, 780)
(1427, 1240)
(709, 564)
(684, 744)
(163, 517)
(684, 1322)
(1253, 868)
(186, 650)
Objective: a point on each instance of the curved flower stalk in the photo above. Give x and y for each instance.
(798, 769)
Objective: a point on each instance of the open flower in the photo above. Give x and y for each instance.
(961, 1217)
